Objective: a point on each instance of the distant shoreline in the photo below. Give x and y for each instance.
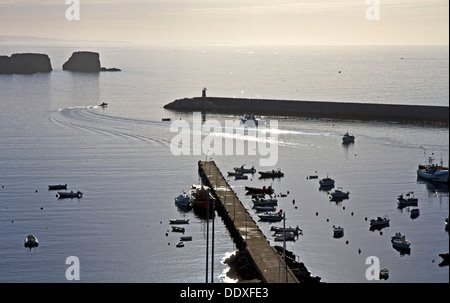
(417, 114)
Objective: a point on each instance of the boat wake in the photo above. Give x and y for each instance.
(87, 119)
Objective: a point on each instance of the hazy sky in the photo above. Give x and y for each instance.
(231, 21)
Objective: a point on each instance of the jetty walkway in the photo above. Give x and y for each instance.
(243, 228)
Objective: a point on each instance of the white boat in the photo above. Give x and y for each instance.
(244, 170)
(271, 216)
(433, 172)
(296, 230)
(183, 200)
(380, 221)
(326, 182)
(31, 241)
(401, 243)
(179, 221)
(339, 194)
(407, 200)
(347, 138)
(338, 231)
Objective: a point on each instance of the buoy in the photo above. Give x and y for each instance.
(352, 213)
(328, 220)
(346, 242)
(36, 191)
(317, 213)
(359, 251)
(293, 201)
(343, 207)
(381, 233)
(365, 218)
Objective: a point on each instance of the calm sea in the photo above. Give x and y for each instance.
(52, 131)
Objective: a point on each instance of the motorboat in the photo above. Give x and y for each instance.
(380, 221)
(264, 208)
(284, 236)
(104, 104)
(244, 170)
(397, 235)
(271, 216)
(70, 195)
(241, 177)
(57, 187)
(31, 241)
(326, 182)
(296, 230)
(201, 196)
(312, 177)
(407, 200)
(401, 243)
(338, 231)
(178, 229)
(347, 138)
(186, 238)
(339, 194)
(264, 202)
(250, 120)
(433, 172)
(257, 190)
(179, 221)
(180, 244)
(271, 174)
(415, 212)
(183, 200)
(384, 274)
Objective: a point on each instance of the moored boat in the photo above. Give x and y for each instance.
(178, 229)
(284, 236)
(180, 244)
(257, 190)
(433, 172)
(271, 216)
(380, 221)
(186, 238)
(384, 274)
(244, 170)
(296, 230)
(415, 212)
(179, 221)
(347, 138)
(407, 200)
(271, 174)
(338, 231)
(183, 200)
(31, 241)
(401, 243)
(264, 208)
(339, 194)
(70, 195)
(57, 187)
(326, 182)
(201, 196)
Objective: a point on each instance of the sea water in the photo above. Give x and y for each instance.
(52, 131)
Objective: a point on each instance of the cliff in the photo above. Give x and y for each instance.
(27, 63)
(314, 109)
(88, 62)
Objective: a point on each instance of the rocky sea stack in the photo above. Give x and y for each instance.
(88, 62)
(27, 63)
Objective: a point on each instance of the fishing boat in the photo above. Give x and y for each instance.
(259, 190)
(408, 200)
(296, 230)
(244, 170)
(31, 241)
(347, 138)
(70, 195)
(201, 196)
(179, 221)
(401, 243)
(339, 194)
(57, 187)
(271, 216)
(183, 200)
(433, 172)
(271, 174)
(380, 221)
(338, 231)
(326, 182)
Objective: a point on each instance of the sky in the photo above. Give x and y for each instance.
(266, 22)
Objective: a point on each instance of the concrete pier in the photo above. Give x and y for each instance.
(243, 229)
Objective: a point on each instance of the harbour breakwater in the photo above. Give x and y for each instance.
(417, 114)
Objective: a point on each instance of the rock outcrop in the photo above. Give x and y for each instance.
(27, 63)
(88, 62)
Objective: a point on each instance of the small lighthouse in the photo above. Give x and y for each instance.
(204, 93)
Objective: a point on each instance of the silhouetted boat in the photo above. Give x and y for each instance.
(347, 138)
(64, 195)
(57, 187)
(31, 241)
(271, 174)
